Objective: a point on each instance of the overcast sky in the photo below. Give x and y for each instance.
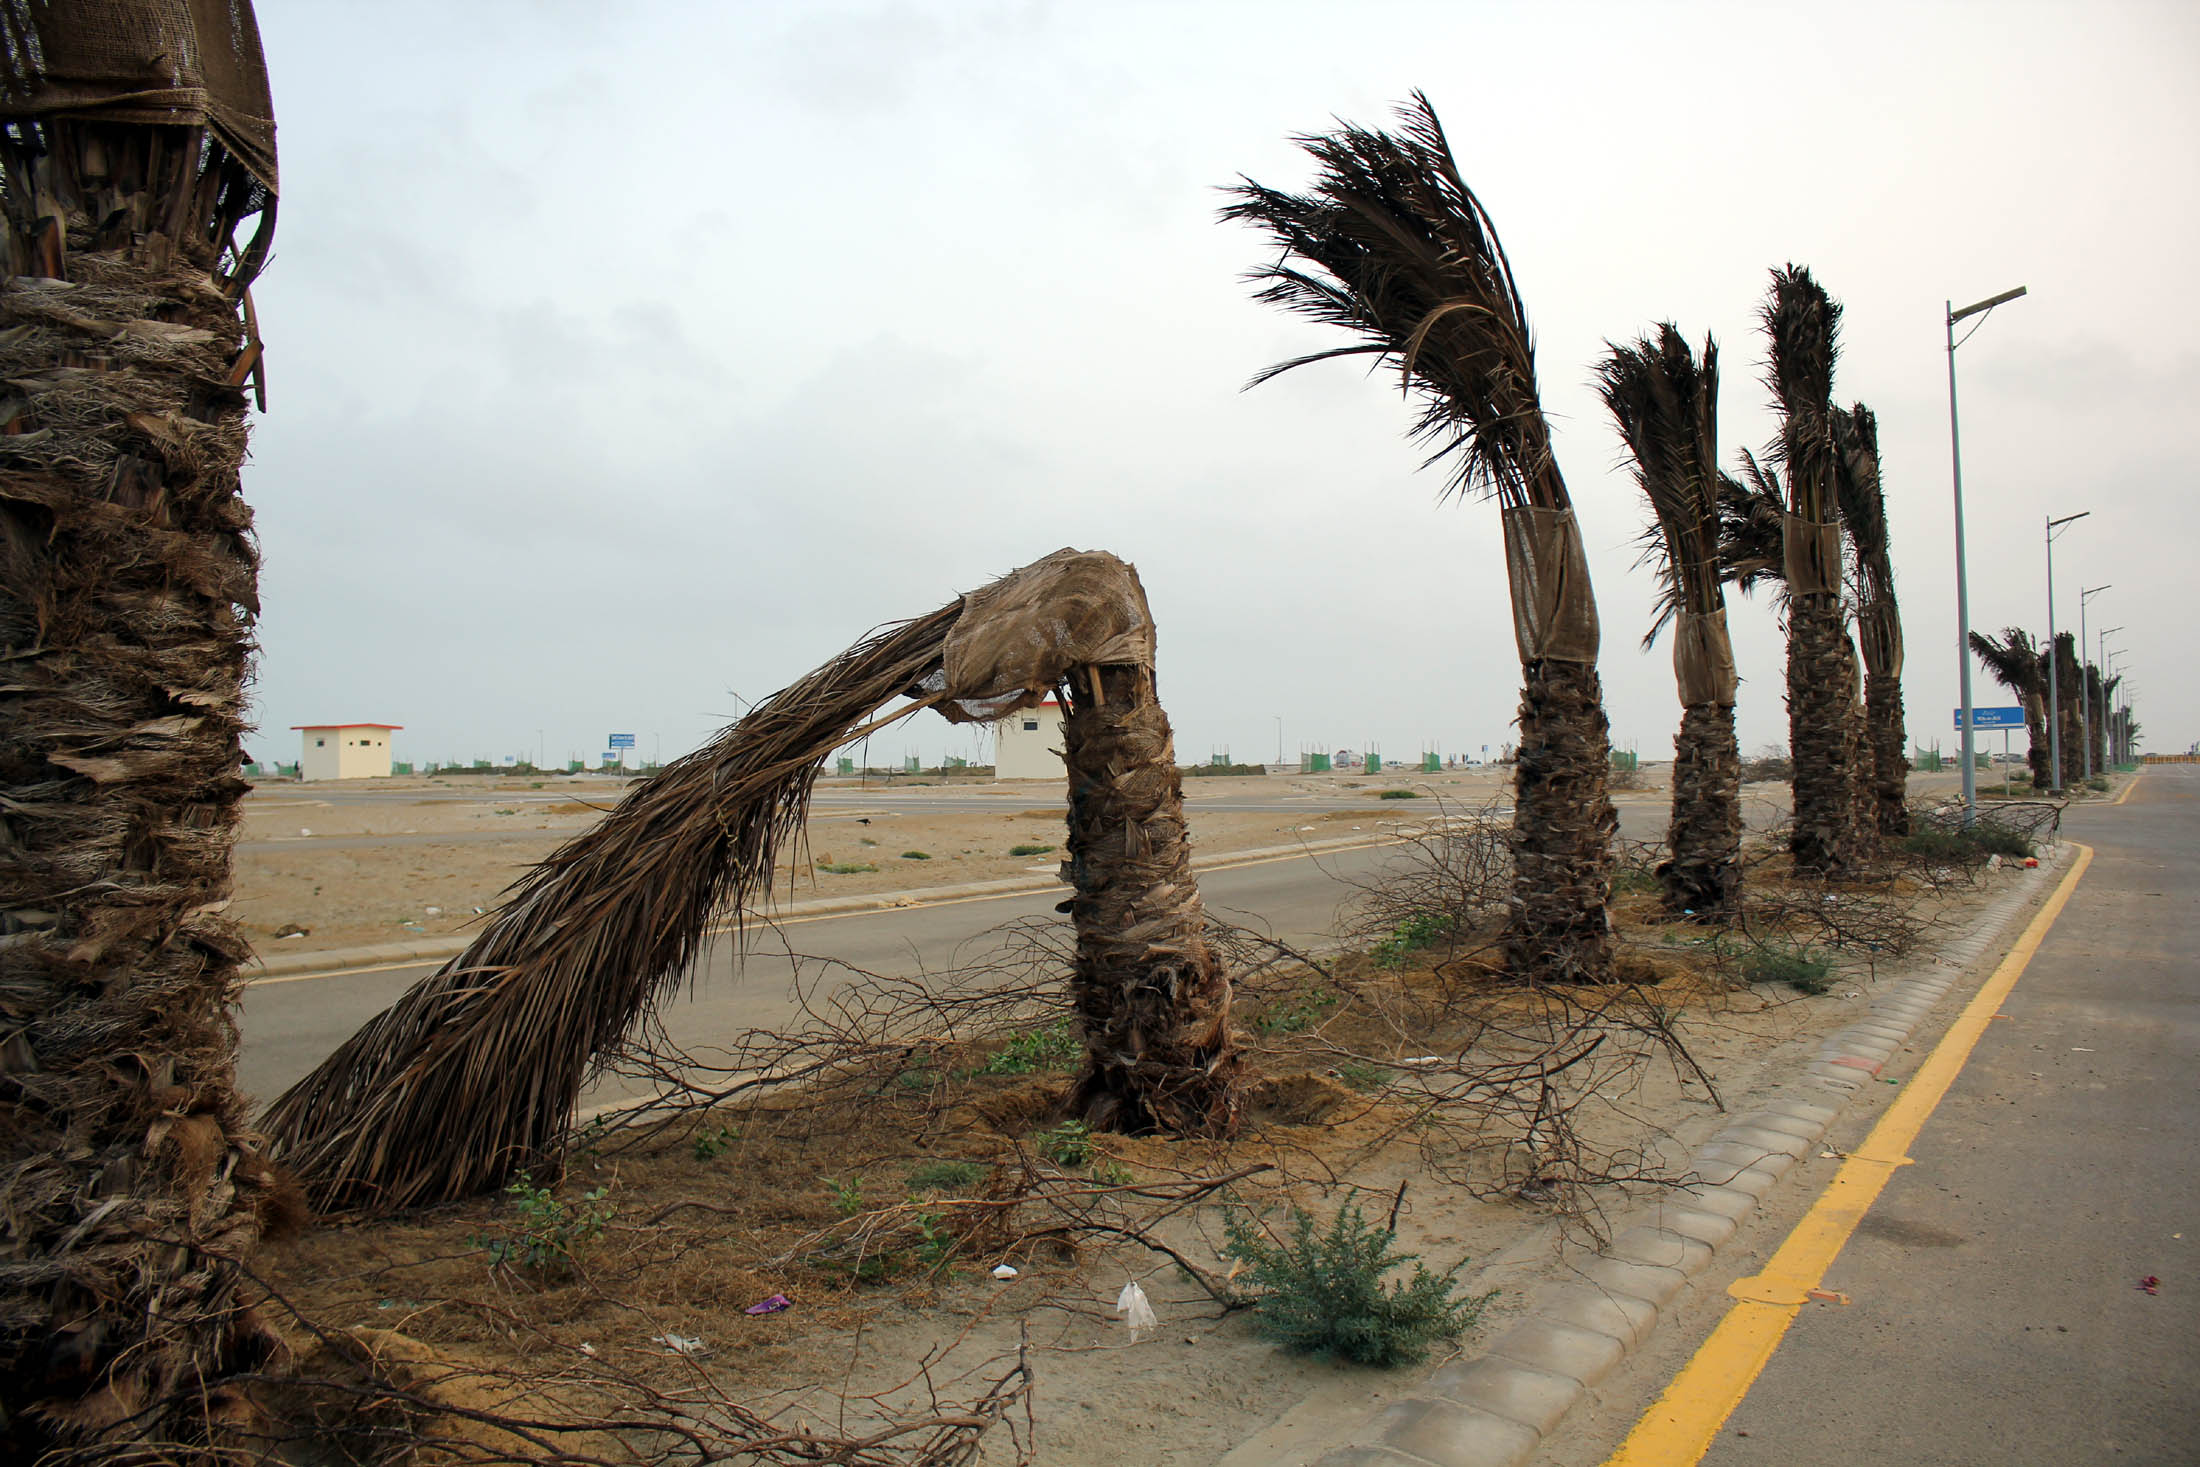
(627, 362)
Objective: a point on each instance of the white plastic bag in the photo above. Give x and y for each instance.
(1136, 1312)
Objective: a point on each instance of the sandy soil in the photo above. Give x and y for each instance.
(450, 846)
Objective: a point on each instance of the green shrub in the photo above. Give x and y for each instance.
(1962, 847)
(1999, 840)
(1322, 1294)
(916, 855)
(945, 1176)
(1635, 881)
(847, 1194)
(845, 868)
(1029, 850)
(1035, 1049)
(1399, 795)
(2098, 784)
(547, 1235)
(1798, 967)
(710, 1145)
(1290, 1016)
(1362, 1076)
(1422, 929)
(1069, 1144)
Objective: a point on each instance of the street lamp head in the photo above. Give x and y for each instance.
(2095, 591)
(1987, 305)
(2066, 519)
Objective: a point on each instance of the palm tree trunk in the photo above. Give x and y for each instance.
(2036, 756)
(1560, 927)
(1890, 751)
(131, 1181)
(1151, 996)
(1822, 725)
(1703, 876)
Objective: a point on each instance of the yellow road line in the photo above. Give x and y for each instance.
(1680, 1426)
(2125, 793)
(768, 922)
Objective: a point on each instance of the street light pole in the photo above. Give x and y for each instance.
(1963, 584)
(2054, 661)
(1279, 739)
(2085, 684)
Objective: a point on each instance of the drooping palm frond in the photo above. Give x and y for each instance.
(1804, 324)
(2013, 659)
(1862, 501)
(473, 1074)
(1752, 527)
(1666, 403)
(1404, 256)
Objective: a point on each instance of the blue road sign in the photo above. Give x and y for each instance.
(621, 741)
(1990, 718)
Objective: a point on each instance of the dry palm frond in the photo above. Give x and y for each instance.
(1406, 258)
(2013, 659)
(1805, 326)
(472, 1075)
(1863, 503)
(1752, 514)
(1666, 404)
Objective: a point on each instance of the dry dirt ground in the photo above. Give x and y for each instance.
(302, 860)
(878, 1202)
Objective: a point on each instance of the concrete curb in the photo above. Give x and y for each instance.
(1495, 1411)
(435, 949)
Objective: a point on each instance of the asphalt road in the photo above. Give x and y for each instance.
(1993, 1311)
(1997, 1313)
(290, 1024)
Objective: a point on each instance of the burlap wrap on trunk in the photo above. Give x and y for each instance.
(1879, 635)
(179, 62)
(1554, 609)
(1703, 659)
(1811, 555)
(1019, 637)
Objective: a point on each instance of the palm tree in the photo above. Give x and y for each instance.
(137, 142)
(1878, 618)
(471, 1076)
(1825, 717)
(2014, 661)
(1666, 404)
(1392, 246)
(2104, 694)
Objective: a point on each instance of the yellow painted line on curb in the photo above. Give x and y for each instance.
(1680, 1426)
(2125, 793)
(877, 911)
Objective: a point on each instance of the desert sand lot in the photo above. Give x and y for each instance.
(357, 862)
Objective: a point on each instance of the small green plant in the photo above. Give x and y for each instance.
(1029, 850)
(1961, 847)
(945, 1176)
(507, 812)
(847, 1194)
(845, 868)
(1292, 1015)
(1398, 795)
(1634, 881)
(1069, 1144)
(1798, 967)
(1362, 1076)
(710, 1145)
(919, 1076)
(1999, 840)
(1035, 1049)
(935, 1240)
(547, 1234)
(1322, 1292)
(869, 842)
(916, 855)
(2098, 784)
(1422, 929)
(1112, 1174)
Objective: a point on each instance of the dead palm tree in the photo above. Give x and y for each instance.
(1666, 403)
(1878, 618)
(1825, 716)
(136, 141)
(1392, 246)
(2014, 661)
(471, 1076)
